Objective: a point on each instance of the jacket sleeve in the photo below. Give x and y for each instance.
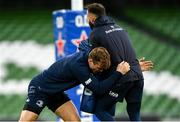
(84, 46)
(91, 82)
(100, 87)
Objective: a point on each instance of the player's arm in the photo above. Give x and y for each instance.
(100, 87)
(145, 65)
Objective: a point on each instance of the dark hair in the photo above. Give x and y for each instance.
(96, 8)
(100, 55)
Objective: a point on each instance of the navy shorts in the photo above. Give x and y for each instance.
(37, 100)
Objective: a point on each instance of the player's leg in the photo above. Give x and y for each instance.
(103, 105)
(112, 110)
(35, 103)
(68, 112)
(102, 112)
(133, 98)
(133, 110)
(27, 116)
(61, 105)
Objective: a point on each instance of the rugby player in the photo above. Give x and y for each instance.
(106, 33)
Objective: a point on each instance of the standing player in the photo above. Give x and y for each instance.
(106, 33)
(47, 88)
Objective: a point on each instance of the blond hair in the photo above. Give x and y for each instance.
(100, 55)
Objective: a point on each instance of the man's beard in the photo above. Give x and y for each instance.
(91, 25)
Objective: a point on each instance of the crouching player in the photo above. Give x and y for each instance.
(47, 88)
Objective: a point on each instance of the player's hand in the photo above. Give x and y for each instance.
(145, 65)
(123, 67)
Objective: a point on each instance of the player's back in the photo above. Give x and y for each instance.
(58, 77)
(114, 38)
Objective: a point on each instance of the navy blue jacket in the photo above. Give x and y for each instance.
(71, 71)
(115, 39)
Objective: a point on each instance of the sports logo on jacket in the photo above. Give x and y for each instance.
(88, 81)
(113, 94)
(113, 29)
(39, 103)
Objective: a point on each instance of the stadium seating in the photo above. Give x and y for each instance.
(26, 25)
(163, 20)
